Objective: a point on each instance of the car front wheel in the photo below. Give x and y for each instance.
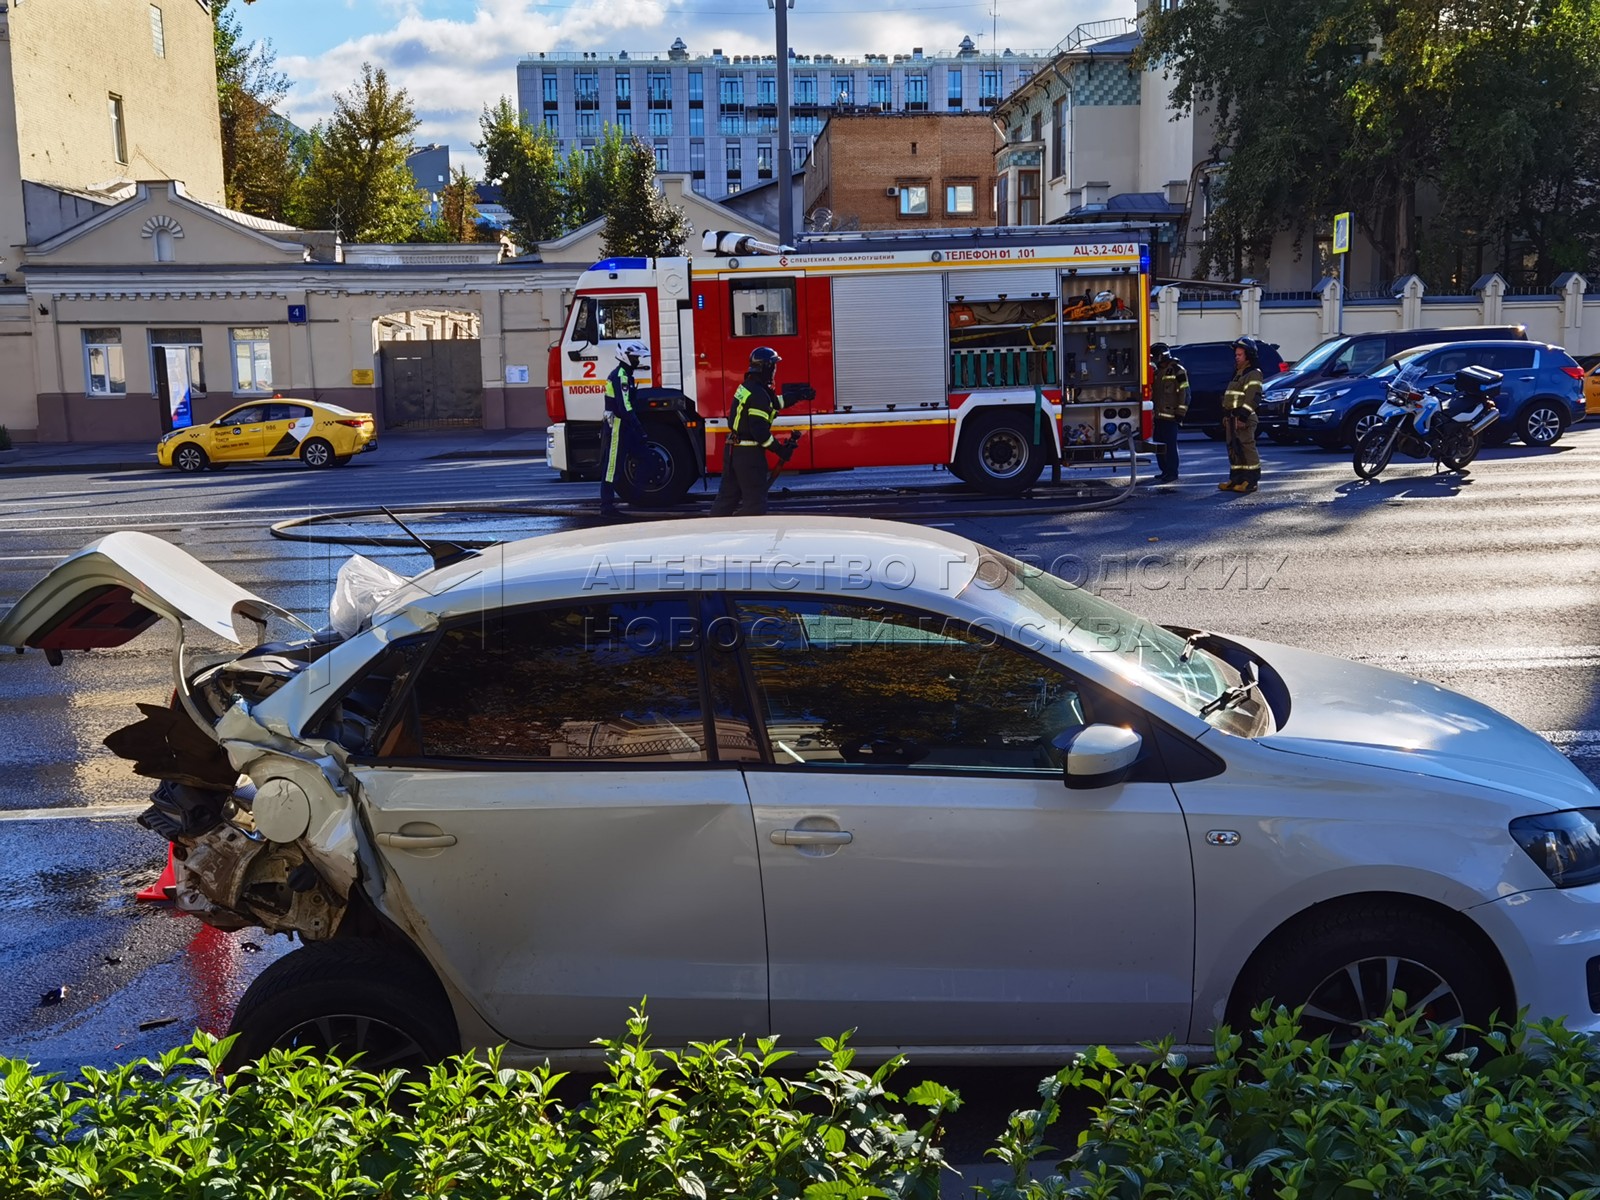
(190, 459)
(1542, 424)
(317, 453)
(350, 996)
(1347, 965)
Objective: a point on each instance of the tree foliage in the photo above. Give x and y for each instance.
(356, 179)
(522, 158)
(639, 221)
(1463, 136)
(261, 164)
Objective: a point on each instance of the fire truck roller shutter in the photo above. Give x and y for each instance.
(987, 284)
(888, 341)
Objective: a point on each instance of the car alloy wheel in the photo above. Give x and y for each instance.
(1366, 422)
(1542, 425)
(1364, 990)
(189, 459)
(317, 453)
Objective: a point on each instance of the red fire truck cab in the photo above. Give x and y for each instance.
(993, 351)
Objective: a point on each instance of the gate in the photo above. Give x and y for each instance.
(432, 384)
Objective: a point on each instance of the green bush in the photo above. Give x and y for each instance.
(713, 1121)
(1403, 1112)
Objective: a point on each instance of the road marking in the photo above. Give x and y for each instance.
(1571, 739)
(90, 812)
(1524, 658)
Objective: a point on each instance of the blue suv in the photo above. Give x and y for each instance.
(1541, 396)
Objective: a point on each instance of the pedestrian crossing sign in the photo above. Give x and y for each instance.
(1341, 233)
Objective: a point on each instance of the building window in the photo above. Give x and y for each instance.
(953, 87)
(764, 160)
(697, 160)
(767, 90)
(730, 124)
(662, 156)
(587, 86)
(961, 199)
(805, 89)
(988, 88)
(625, 121)
(162, 340)
(588, 124)
(102, 363)
(661, 123)
(730, 91)
(1002, 202)
(913, 199)
(763, 308)
(733, 187)
(158, 33)
(800, 153)
(552, 123)
(1027, 197)
(809, 126)
(165, 246)
(624, 89)
(1058, 140)
(733, 155)
(879, 91)
(841, 92)
(660, 89)
(252, 360)
(1036, 128)
(916, 93)
(697, 122)
(119, 132)
(552, 93)
(697, 87)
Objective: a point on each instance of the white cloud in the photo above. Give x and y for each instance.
(452, 67)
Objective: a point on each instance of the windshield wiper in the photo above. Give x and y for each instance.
(1234, 695)
(1193, 642)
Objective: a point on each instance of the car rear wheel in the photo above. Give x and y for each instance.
(190, 459)
(351, 996)
(998, 454)
(1345, 967)
(1542, 424)
(342, 460)
(317, 453)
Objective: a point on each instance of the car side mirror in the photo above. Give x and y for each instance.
(1337, 369)
(579, 356)
(1096, 756)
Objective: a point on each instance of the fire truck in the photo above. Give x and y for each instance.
(994, 352)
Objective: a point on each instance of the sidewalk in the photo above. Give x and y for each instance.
(30, 458)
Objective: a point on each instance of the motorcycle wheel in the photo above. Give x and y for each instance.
(1374, 448)
(1458, 449)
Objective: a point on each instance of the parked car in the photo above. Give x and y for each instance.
(1591, 383)
(803, 775)
(1210, 367)
(319, 435)
(1542, 393)
(1355, 354)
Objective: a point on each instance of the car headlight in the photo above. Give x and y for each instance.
(1565, 845)
(1323, 399)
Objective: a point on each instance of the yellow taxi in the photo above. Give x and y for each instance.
(319, 435)
(1591, 389)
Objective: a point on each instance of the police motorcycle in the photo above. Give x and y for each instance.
(1437, 422)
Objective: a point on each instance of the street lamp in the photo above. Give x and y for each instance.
(785, 159)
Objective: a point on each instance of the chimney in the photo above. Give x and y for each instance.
(1096, 192)
(1177, 191)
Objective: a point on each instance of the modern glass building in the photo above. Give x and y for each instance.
(715, 116)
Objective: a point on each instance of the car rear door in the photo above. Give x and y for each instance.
(287, 426)
(928, 878)
(558, 825)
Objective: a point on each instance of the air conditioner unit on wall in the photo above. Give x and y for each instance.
(894, 191)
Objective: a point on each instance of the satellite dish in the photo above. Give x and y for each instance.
(821, 220)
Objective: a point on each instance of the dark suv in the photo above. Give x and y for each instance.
(1351, 354)
(1542, 393)
(1210, 367)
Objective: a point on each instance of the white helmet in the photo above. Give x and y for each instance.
(631, 354)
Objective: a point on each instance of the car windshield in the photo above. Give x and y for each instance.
(1395, 364)
(1142, 652)
(1321, 353)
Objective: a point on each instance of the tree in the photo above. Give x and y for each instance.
(260, 163)
(522, 158)
(639, 221)
(590, 176)
(357, 180)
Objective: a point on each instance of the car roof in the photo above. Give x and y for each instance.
(879, 560)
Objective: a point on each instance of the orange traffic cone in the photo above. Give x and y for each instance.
(162, 888)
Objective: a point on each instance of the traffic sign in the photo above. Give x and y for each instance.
(1341, 233)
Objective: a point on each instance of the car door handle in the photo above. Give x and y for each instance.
(416, 841)
(812, 837)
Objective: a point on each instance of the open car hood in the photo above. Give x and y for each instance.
(115, 588)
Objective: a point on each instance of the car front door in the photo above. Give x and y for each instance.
(929, 879)
(549, 802)
(237, 435)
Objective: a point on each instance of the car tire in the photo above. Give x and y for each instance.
(1285, 437)
(216, 466)
(317, 454)
(1328, 441)
(674, 469)
(1357, 422)
(1344, 964)
(1542, 423)
(190, 459)
(998, 455)
(353, 995)
(342, 460)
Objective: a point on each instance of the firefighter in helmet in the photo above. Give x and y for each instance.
(1239, 404)
(624, 432)
(1170, 390)
(743, 491)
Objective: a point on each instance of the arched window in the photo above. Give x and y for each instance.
(166, 248)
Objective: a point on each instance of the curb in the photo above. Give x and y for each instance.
(467, 455)
(58, 468)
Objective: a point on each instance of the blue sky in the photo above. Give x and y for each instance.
(455, 56)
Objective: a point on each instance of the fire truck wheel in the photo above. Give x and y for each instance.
(662, 474)
(998, 455)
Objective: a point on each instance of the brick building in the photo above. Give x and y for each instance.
(902, 171)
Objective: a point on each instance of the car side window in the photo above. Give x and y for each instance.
(1509, 358)
(1364, 355)
(245, 416)
(615, 682)
(846, 685)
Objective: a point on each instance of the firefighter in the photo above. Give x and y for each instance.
(1171, 395)
(1239, 404)
(624, 432)
(743, 491)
